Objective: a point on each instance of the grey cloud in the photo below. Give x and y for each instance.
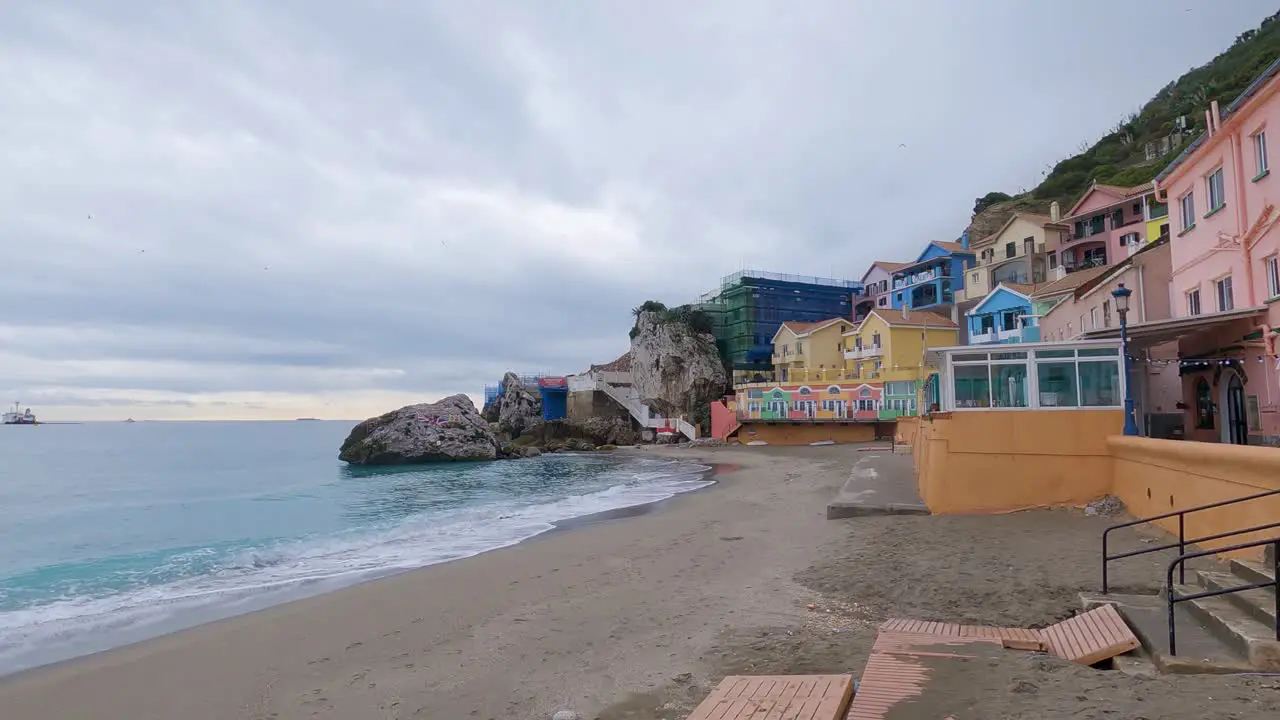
(309, 204)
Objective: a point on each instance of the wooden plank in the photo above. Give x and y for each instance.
(777, 697)
(1091, 637)
(896, 671)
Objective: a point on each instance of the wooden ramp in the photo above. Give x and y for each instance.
(777, 697)
(897, 672)
(1086, 638)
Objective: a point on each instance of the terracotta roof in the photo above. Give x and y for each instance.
(1027, 290)
(890, 266)
(622, 364)
(949, 246)
(802, 328)
(914, 317)
(1070, 282)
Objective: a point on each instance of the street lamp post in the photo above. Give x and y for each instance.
(1121, 294)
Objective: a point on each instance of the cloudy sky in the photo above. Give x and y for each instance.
(231, 209)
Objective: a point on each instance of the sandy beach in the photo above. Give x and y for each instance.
(636, 618)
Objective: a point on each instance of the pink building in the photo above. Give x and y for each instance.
(1107, 220)
(876, 283)
(1225, 283)
(1067, 310)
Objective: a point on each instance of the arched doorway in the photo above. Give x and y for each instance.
(1235, 423)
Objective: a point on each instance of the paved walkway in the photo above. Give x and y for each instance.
(882, 482)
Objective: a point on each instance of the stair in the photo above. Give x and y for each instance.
(1229, 633)
(640, 412)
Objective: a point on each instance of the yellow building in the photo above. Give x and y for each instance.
(809, 351)
(1016, 253)
(889, 347)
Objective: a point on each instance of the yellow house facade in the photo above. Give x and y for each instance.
(1016, 253)
(889, 347)
(809, 351)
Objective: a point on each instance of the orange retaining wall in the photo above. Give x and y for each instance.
(790, 434)
(907, 429)
(1154, 477)
(997, 461)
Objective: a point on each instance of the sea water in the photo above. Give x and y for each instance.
(113, 533)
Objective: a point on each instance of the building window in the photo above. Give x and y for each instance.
(1223, 291)
(1260, 154)
(1106, 313)
(799, 348)
(1089, 377)
(1053, 260)
(1193, 302)
(1117, 218)
(1137, 209)
(1010, 250)
(1214, 187)
(1188, 204)
(1204, 405)
(1129, 239)
(1079, 229)
(1272, 265)
(1093, 318)
(1097, 224)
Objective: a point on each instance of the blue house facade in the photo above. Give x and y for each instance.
(1003, 316)
(934, 277)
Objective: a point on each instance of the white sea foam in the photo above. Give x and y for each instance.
(260, 577)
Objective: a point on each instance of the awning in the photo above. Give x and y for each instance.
(1157, 332)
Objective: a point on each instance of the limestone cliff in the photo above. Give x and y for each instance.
(516, 407)
(675, 369)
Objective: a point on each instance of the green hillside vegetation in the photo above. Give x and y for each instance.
(1119, 158)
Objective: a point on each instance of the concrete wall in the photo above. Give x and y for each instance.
(1154, 477)
(996, 461)
(789, 434)
(590, 403)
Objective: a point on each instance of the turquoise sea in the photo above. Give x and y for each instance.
(112, 533)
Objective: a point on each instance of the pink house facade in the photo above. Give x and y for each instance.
(877, 283)
(1105, 222)
(1225, 281)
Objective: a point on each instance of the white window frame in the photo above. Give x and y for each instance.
(1219, 296)
(1271, 268)
(1193, 302)
(1215, 191)
(1187, 209)
(1031, 362)
(1260, 154)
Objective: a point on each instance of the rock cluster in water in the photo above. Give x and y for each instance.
(449, 430)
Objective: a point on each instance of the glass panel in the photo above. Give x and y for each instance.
(1009, 356)
(973, 389)
(1100, 384)
(1055, 353)
(969, 357)
(1009, 385)
(1099, 352)
(1057, 384)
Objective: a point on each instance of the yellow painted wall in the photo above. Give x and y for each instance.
(902, 348)
(819, 349)
(1154, 477)
(793, 434)
(997, 461)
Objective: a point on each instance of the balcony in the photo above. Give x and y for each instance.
(983, 338)
(921, 277)
(1014, 335)
(866, 352)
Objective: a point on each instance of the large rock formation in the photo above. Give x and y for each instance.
(448, 430)
(585, 434)
(516, 407)
(674, 368)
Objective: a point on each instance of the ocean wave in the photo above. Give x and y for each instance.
(129, 599)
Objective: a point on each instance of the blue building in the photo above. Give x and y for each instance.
(555, 397)
(934, 277)
(1004, 316)
(751, 305)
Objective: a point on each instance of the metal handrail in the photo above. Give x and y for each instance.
(1180, 562)
(1182, 537)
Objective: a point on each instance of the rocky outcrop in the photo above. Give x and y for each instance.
(515, 408)
(673, 368)
(443, 431)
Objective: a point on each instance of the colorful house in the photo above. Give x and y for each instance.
(809, 351)
(876, 288)
(935, 276)
(1005, 315)
(889, 347)
(1225, 279)
(1016, 253)
(1156, 386)
(797, 402)
(1105, 222)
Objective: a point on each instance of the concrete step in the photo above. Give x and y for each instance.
(1235, 626)
(1259, 604)
(1251, 571)
(1200, 651)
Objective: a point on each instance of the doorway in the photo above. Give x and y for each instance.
(1235, 423)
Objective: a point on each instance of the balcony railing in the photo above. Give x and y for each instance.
(1014, 334)
(985, 337)
(866, 352)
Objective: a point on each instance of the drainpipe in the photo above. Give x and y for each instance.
(1142, 306)
(1242, 215)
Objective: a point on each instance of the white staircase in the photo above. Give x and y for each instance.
(626, 397)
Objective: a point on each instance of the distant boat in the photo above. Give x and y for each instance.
(18, 416)
(307, 420)
(130, 420)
